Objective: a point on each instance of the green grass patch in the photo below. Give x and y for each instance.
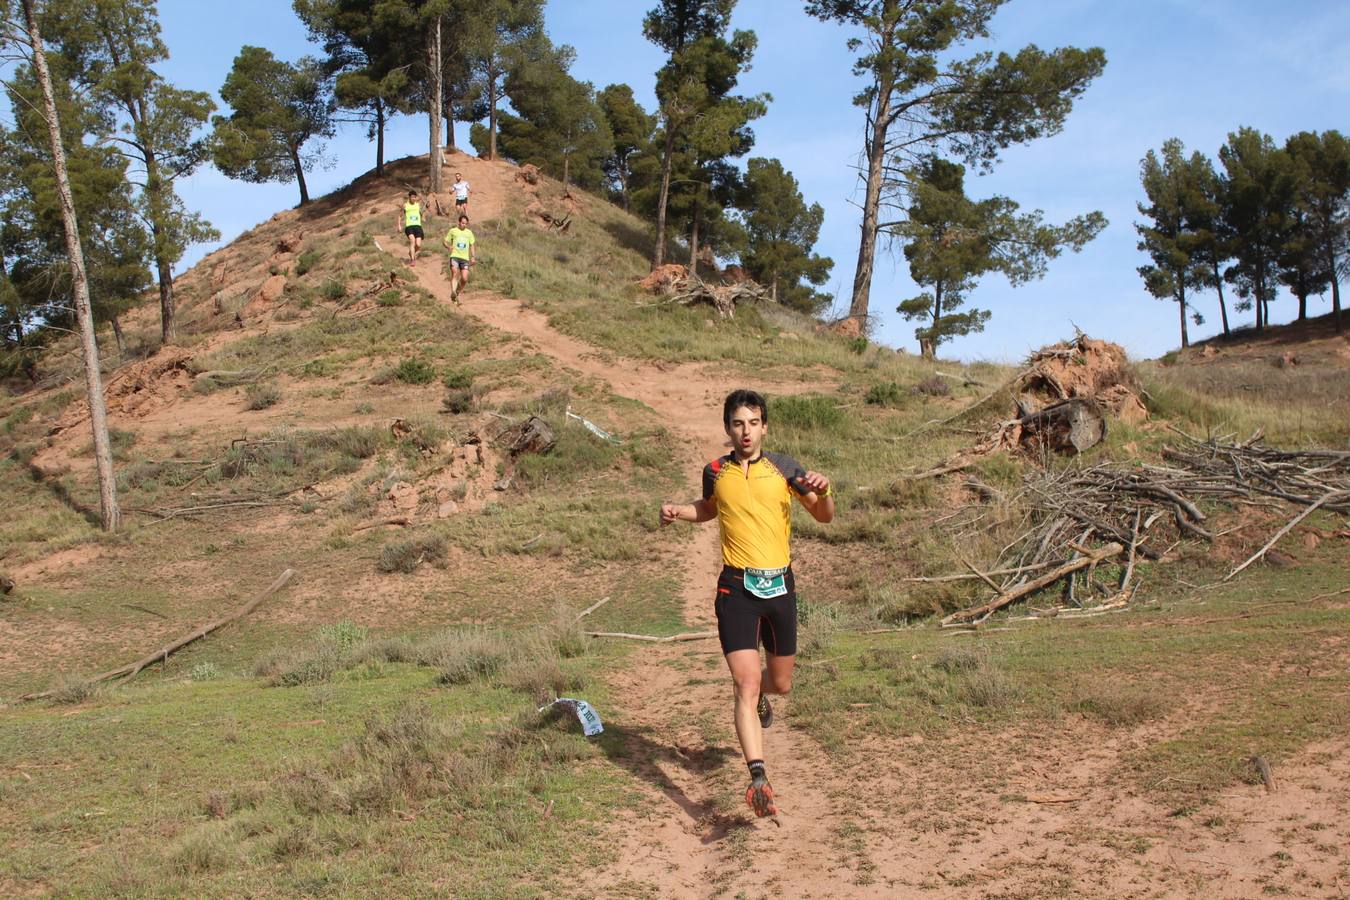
(1245, 672)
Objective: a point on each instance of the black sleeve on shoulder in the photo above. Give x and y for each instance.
(792, 471)
(709, 479)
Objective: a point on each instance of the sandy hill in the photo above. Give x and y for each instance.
(372, 727)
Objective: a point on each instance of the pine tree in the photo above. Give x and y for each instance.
(278, 109)
(922, 98)
(781, 231)
(1322, 194)
(631, 128)
(1170, 235)
(559, 126)
(500, 36)
(367, 60)
(111, 517)
(951, 241)
(701, 72)
(1260, 202)
(111, 47)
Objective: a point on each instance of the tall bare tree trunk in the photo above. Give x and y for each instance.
(492, 113)
(437, 102)
(875, 148)
(168, 323)
(98, 413)
(667, 161)
(119, 337)
(1181, 306)
(1336, 302)
(379, 137)
(300, 174)
(693, 237)
(1223, 307)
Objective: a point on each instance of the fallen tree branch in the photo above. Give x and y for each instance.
(132, 669)
(687, 636)
(964, 616)
(1330, 495)
(393, 520)
(592, 608)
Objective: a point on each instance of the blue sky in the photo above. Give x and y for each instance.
(1192, 69)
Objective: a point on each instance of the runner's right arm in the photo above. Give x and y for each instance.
(698, 511)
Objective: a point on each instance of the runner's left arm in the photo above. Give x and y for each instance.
(819, 497)
(811, 488)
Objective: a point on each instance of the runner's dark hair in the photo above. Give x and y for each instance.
(412, 193)
(463, 218)
(744, 397)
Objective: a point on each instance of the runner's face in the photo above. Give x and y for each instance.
(747, 431)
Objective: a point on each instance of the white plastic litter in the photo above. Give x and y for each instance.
(589, 718)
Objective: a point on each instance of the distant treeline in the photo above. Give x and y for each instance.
(1270, 216)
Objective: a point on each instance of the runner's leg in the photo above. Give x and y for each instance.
(745, 673)
(777, 675)
(412, 253)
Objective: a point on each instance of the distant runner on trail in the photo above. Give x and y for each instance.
(749, 492)
(461, 189)
(411, 221)
(461, 242)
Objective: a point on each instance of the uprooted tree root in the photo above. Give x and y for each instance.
(690, 290)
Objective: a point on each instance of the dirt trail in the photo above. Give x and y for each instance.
(690, 834)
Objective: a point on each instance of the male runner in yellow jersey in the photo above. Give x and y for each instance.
(750, 492)
(462, 255)
(411, 221)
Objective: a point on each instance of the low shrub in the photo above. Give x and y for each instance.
(415, 371)
(306, 261)
(887, 393)
(261, 395)
(333, 289)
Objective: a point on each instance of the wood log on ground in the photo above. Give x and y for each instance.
(162, 654)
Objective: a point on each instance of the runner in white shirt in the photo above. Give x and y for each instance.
(461, 189)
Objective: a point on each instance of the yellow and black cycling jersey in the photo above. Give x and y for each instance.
(754, 507)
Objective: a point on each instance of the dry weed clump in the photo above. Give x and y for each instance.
(71, 689)
(464, 656)
(261, 395)
(1119, 706)
(406, 555)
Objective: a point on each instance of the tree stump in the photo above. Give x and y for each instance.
(531, 436)
(1071, 426)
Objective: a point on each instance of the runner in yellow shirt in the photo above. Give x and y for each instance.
(750, 491)
(410, 218)
(462, 255)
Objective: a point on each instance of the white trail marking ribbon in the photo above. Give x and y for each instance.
(593, 428)
(589, 718)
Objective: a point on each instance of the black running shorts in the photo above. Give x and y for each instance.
(457, 263)
(414, 231)
(744, 620)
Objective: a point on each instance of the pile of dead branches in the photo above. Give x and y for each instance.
(1144, 511)
(692, 290)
